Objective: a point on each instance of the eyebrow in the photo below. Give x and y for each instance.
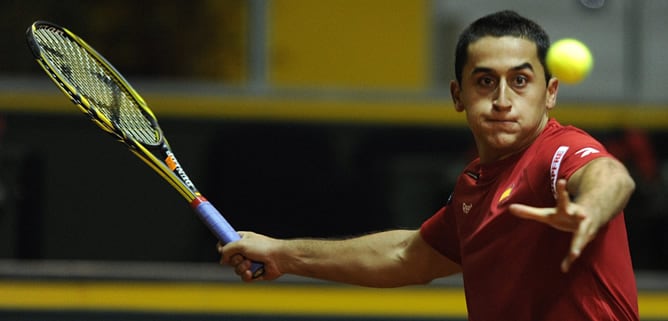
(525, 65)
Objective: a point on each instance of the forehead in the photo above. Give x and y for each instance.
(501, 53)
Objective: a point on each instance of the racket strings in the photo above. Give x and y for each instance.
(94, 82)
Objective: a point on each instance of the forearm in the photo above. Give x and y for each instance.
(604, 187)
(375, 260)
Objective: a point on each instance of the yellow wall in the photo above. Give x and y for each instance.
(379, 44)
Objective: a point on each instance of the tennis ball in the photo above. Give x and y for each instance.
(569, 60)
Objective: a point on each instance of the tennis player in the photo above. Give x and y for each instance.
(534, 224)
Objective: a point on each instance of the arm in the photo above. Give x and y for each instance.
(599, 191)
(385, 259)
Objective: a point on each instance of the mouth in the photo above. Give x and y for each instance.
(501, 123)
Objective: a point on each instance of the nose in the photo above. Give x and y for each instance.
(501, 100)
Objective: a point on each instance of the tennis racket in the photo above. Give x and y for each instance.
(102, 93)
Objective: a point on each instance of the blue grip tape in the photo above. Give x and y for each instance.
(223, 230)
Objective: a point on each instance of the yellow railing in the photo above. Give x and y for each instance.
(254, 299)
(421, 112)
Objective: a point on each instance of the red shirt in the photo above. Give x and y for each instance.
(511, 266)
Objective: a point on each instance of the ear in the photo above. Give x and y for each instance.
(455, 92)
(551, 94)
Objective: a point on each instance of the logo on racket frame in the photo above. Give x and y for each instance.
(174, 165)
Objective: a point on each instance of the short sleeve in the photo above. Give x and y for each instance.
(569, 149)
(440, 232)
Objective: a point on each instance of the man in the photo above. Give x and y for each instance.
(562, 256)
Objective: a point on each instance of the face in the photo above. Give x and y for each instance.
(504, 95)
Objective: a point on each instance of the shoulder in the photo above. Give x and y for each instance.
(567, 148)
(567, 140)
(554, 129)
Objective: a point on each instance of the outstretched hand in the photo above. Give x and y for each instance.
(566, 216)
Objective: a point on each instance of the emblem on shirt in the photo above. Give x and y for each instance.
(557, 158)
(466, 207)
(506, 193)
(587, 151)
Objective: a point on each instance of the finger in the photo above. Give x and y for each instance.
(573, 254)
(248, 277)
(237, 259)
(530, 212)
(229, 250)
(563, 199)
(568, 261)
(581, 237)
(231, 260)
(219, 248)
(244, 271)
(242, 267)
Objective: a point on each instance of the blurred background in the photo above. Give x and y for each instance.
(296, 118)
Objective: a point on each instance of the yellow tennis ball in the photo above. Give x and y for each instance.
(569, 60)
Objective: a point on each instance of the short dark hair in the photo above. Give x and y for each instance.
(499, 24)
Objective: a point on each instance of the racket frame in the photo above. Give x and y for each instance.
(169, 167)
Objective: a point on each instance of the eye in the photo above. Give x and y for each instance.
(487, 82)
(521, 81)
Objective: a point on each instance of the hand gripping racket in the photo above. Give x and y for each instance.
(101, 93)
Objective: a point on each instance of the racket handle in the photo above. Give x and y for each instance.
(220, 227)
